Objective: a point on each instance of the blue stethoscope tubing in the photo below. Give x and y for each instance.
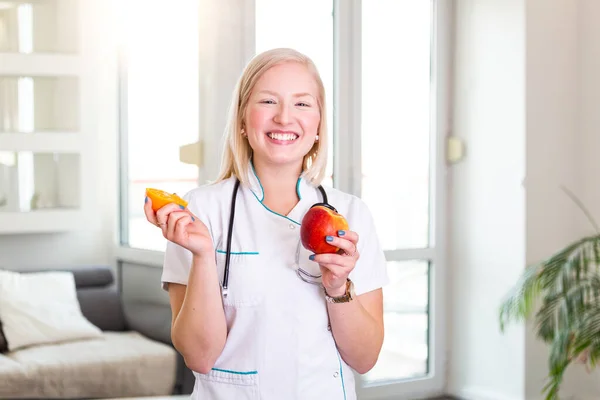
(230, 230)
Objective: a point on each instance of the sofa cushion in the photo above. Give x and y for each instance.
(102, 307)
(118, 364)
(42, 307)
(92, 276)
(97, 292)
(13, 377)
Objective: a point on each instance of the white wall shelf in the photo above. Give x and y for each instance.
(40, 64)
(47, 116)
(43, 142)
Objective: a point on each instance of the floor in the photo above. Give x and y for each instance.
(187, 397)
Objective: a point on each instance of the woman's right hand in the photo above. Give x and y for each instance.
(180, 226)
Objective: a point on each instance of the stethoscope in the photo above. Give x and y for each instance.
(302, 274)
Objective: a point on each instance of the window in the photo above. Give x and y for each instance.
(160, 107)
(395, 142)
(402, 108)
(283, 24)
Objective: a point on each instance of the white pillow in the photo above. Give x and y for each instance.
(40, 308)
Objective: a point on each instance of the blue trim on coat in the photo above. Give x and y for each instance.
(235, 372)
(252, 253)
(341, 373)
(263, 196)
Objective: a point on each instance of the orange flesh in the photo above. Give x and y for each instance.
(160, 198)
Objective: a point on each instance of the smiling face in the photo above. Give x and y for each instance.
(283, 115)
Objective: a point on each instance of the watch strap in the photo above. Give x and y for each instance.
(345, 298)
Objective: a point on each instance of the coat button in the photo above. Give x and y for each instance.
(292, 226)
(335, 374)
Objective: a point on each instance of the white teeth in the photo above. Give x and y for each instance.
(282, 136)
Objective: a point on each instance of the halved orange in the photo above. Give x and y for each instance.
(161, 198)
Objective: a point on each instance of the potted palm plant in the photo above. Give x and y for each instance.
(562, 295)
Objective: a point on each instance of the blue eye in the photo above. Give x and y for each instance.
(268, 102)
(304, 105)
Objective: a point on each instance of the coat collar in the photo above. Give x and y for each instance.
(303, 187)
(307, 193)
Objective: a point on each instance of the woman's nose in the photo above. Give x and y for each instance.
(283, 115)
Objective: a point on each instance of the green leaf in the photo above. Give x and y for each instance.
(565, 292)
(518, 304)
(558, 362)
(546, 317)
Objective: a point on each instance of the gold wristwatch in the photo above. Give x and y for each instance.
(345, 298)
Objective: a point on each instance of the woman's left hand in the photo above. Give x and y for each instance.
(335, 267)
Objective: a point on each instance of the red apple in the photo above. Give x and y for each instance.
(319, 221)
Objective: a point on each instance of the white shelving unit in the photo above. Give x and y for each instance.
(50, 65)
(44, 100)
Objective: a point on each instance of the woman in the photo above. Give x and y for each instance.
(266, 332)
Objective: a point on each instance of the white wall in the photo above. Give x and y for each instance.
(48, 250)
(589, 98)
(563, 93)
(558, 103)
(552, 133)
(587, 152)
(487, 210)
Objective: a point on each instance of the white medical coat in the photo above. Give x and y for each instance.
(279, 344)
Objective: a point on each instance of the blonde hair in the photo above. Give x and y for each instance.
(237, 151)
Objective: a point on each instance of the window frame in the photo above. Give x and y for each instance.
(123, 150)
(123, 252)
(347, 169)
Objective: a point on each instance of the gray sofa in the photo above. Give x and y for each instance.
(134, 357)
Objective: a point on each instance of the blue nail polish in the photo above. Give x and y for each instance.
(312, 257)
(182, 207)
(341, 233)
(193, 219)
(329, 238)
(146, 199)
